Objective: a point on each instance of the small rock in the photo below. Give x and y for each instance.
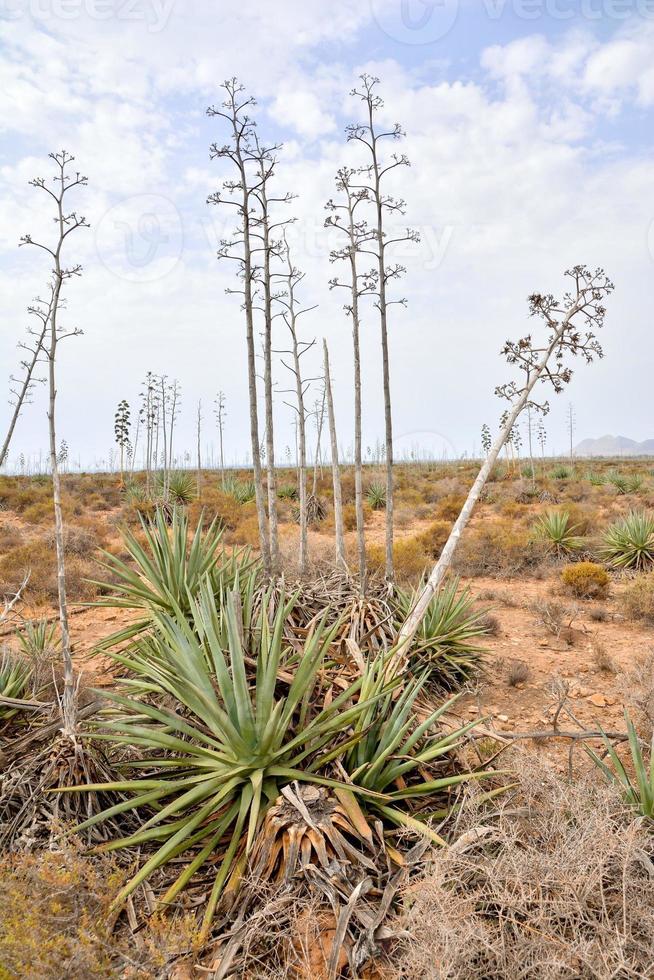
(473, 710)
(502, 717)
(598, 700)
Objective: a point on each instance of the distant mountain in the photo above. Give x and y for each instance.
(615, 446)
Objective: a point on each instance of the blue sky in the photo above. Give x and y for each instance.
(530, 136)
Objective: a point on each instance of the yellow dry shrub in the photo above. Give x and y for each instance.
(56, 922)
(247, 532)
(39, 558)
(434, 537)
(213, 503)
(409, 559)
(638, 598)
(449, 508)
(498, 548)
(585, 580)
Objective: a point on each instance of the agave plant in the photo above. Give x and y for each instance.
(639, 793)
(166, 571)
(376, 496)
(230, 749)
(445, 643)
(394, 755)
(635, 483)
(561, 473)
(287, 492)
(243, 491)
(629, 542)
(620, 482)
(181, 487)
(15, 678)
(595, 479)
(244, 730)
(39, 639)
(556, 529)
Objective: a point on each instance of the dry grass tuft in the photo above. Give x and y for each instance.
(56, 922)
(638, 598)
(560, 886)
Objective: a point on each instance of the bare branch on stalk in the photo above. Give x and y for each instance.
(570, 325)
(66, 222)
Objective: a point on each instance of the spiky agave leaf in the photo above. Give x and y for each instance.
(558, 532)
(180, 484)
(39, 638)
(638, 792)
(15, 677)
(629, 542)
(376, 496)
(396, 757)
(235, 743)
(166, 571)
(446, 642)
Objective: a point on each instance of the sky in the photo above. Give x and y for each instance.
(529, 130)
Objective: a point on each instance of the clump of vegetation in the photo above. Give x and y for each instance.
(637, 785)
(243, 491)
(518, 673)
(434, 537)
(15, 680)
(625, 484)
(56, 921)
(561, 473)
(446, 645)
(629, 542)
(499, 548)
(585, 580)
(558, 532)
(167, 567)
(409, 559)
(449, 508)
(376, 496)
(638, 598)
(180, 485)
(287, 491)
(518, 896)
(248, 719)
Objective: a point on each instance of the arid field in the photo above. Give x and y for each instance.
(539, 644)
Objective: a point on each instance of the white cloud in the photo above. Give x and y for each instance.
(509, 184)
